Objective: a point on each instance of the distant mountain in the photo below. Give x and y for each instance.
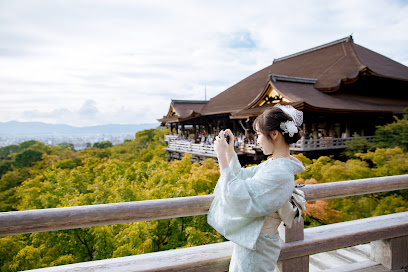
(38, 128)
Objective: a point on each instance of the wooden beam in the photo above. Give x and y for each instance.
(21, 222)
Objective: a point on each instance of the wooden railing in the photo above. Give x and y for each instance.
(388, 233)
(324, 143)
(301, 145)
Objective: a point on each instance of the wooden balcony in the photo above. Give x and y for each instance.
(200, 152)
(387, 234)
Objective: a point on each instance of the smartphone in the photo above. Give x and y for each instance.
(226, 136)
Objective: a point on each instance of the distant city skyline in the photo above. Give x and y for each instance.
(13, 133)
(79, 142)
(40, 128)
(88, 63)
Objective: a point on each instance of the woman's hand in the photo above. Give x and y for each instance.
(220, 144)
(223, 149)
(230, 150)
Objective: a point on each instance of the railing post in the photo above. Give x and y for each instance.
(295, 233)
(391, 253)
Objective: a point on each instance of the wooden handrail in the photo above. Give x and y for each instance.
(355, 187)
(21, 222)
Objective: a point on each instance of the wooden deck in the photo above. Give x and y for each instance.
(350, 259)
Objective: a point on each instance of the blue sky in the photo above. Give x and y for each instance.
(98, 62)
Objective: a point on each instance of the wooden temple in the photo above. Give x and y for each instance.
(343, 89)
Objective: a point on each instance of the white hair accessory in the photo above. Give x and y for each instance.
(290, 126)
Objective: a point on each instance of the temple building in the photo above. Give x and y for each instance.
(343, 89)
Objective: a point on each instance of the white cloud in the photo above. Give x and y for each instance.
(90, 113)
(123, 61)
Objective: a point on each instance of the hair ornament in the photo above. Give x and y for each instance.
(290, 126)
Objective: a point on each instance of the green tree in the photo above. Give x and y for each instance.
(103, 144)
(27, 158)
(65, 145)
(392, 135)
(5, 166)
(356, 145)
(27, 144)
(8, 150)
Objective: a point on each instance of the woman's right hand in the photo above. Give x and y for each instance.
(230, 149)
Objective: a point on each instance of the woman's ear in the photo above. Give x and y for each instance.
(274, 135)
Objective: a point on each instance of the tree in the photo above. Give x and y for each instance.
(392, 135)
(356, 145)
(27, 144)
(66, 146)
(5, 166)
(7, 150)
(27, 158)
(104, 144)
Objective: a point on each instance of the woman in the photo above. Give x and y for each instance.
(247, 200)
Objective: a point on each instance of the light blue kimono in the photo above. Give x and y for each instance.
(242, 199)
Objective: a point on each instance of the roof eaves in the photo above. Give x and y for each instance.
(346, 39)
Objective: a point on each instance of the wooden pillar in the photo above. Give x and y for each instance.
(248, 128)
(234, 127)
(347, 129)
(331, 130)
(314, 129)
(224, 124)
(391, 253)
(287, 235)
(183, 131)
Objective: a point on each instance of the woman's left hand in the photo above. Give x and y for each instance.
(220, 144)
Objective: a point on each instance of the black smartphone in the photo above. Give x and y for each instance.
(226, 136)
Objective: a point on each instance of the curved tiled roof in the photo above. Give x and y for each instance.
(183, 110)
(332, 64)
(313, 78)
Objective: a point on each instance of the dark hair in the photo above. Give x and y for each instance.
(270, 120)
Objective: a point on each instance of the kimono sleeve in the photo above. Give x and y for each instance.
(258, 196)
(242, 173)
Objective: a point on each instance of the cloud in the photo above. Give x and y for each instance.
(90, 113)
(91, 62)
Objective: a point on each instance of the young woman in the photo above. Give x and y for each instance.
(247, 200)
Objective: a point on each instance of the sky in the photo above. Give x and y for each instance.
(95, 62)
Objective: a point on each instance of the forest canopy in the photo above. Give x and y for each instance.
(37, 176)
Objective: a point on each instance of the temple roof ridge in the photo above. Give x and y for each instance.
(275, 77)
(345, 39)
(189, 101)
